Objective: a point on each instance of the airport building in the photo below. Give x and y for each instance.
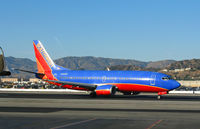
(190, 83)
(34, 80)
(21, 80)
(9, 79)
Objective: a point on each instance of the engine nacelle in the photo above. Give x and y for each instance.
(105, 90)
(5, 73)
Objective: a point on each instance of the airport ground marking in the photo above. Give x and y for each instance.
(154, 124)
(74, 123)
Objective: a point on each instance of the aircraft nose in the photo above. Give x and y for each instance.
(177, 84)
(174, 84)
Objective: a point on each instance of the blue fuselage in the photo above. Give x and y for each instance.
(133, 79)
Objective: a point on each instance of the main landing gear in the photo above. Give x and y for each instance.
(159, 97)
(93, 94)
(131, 93)
(161, 93)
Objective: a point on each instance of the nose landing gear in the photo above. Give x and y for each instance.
(161, 93)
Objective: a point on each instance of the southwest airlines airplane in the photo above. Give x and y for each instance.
(100, 82)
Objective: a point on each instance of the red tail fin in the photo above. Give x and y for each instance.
(44, 63)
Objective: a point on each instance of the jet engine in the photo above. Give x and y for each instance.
(105, 90)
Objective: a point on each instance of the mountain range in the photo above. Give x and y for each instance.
(80, 63)
(100, 63)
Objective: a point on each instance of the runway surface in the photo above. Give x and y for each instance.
(79, 111)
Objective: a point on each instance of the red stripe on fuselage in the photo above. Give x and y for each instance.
(138, 87)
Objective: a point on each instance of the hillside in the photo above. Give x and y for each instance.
(160, 64)
(95, 63)
(20, 63)
(193, 72)
(87, 63)
(178, 70)
(194, 64)
(133, 67)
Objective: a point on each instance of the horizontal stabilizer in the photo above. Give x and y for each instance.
(29, 72)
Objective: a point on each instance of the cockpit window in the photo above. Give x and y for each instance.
(166, 78)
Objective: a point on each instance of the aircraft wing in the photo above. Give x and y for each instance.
(76, 84)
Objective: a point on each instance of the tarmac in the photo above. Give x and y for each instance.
(28, 110)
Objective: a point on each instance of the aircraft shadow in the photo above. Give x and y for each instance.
(49, 110)
(86, 96)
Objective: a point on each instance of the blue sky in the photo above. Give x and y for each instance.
(146, 30)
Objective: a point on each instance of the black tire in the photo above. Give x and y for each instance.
(93, 94)
(126, 93)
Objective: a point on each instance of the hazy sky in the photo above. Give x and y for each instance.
(146, 30)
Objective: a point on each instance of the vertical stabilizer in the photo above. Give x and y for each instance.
(45, 64)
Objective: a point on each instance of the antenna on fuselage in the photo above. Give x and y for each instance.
(107, 68)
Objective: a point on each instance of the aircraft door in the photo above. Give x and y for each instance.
(153, 80)
(104, 79)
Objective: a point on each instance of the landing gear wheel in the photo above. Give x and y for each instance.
(126, 93)
(159, 97)
(93, 94)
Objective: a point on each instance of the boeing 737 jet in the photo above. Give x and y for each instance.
(100, 82)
